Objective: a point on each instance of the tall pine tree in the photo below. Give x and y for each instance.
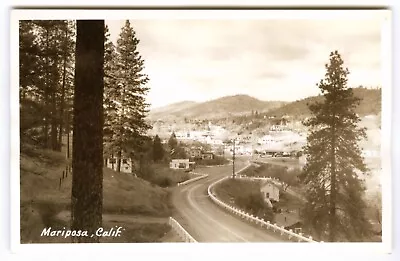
(335, 208)
(111, 92)
(46, 70)
(31, 108)
(130, 125)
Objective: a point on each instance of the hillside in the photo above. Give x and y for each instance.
(138, 206)
(218, 108)
(160, 112)
(370, 104)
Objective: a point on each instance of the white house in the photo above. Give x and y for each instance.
(270, 191)
(180, 164)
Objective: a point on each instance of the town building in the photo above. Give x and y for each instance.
(181, 164)
(270, 191)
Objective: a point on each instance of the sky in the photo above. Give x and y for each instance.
(280, 59)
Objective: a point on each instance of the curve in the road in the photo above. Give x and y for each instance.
(207, 222)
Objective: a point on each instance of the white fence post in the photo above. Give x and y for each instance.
(182, 233)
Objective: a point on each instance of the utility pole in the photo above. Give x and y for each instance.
(233, 159)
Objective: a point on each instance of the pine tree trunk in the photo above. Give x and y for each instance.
(68, 133)
(141, 163)
(332, 210)
(112, 161)
(54, 129)
(46, 95)
(60, 133)
(119, 156)
(62, 102)
(87, 181)
(54, 112)
(132, 161)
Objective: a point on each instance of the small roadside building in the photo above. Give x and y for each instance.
(181, 164)
(270, 191)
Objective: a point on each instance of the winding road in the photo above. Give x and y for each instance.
(206, 221)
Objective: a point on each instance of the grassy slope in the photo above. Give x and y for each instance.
(42, 201)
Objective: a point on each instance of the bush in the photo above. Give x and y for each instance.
(162, 176)
(246, 195)
(164, 182)
(217, 160)
(255, 204)
(290, 177)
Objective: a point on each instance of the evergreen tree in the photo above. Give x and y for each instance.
(111, 92)
(335, 209)
(172, 142)
(130, 126)
(66, 96)
(28, 58)
(177, 150)
(31, 108)
(158, 150)
(46, 65)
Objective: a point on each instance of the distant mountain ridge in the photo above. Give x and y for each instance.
(238, 105)
(370, 104)
(172, 108)
(218, 108)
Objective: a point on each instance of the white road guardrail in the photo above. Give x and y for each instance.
(182, 233)
(300, 237)
(200, 176)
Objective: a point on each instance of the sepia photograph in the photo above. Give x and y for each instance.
(199, 126)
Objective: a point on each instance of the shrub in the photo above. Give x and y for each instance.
(217, 160)
(255, 204)
(246, 195)
(163, 182)
(162, 176)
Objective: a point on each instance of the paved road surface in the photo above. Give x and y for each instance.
(206, 221)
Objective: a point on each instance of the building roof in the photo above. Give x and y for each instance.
(269, 182)
(180, 160)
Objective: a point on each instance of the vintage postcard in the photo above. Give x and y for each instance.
(201, 126)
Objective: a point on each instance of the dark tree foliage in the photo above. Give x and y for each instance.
(158, 150)
(125, 95)
(172, 142)
(177, 150)
(110, 93)
(46, 75)
(335, 208)
(87, 160)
